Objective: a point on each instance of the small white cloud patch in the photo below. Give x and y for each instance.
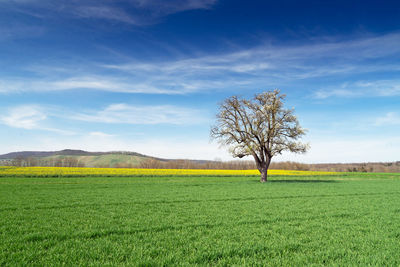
(391, 118)
(100, 134)
(26, 117)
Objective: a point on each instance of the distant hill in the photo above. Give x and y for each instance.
(79, 158)
(66, 152)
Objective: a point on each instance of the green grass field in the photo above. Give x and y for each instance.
(334, 220)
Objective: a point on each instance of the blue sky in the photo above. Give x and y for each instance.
(147, 75)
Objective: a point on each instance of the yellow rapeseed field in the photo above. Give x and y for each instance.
(108, 172)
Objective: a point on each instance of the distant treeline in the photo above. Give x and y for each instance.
(287, 165)
(223, 165)
(34, 162)
(357, 167)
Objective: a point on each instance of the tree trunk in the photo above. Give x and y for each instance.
(264, 170)
(264, 175)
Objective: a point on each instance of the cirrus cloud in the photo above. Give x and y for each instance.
(131, 114)
(26, 117)
(134, 12)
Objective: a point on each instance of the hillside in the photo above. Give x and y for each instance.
(81, 158)
(65, 152)
(73, 158)
(105, 160)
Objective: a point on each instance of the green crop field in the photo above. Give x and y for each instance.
(352, 219)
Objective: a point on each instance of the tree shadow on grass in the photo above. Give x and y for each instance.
(302, 181)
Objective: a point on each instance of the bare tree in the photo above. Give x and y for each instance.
(259, 127)
(19, 161)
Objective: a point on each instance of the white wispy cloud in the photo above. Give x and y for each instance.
(265, 65)
(391, 118)
(104, 12)
(142, 12)
(108, 84)
(19, 31)
(35, 117)
(348, 149)
(29, 117)
(100, 135)
(376, 88)
(268, 64)
(135, 12)
(326, 93)
(174, 5)
(26, 117)
(162, 8)
(129, 114)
